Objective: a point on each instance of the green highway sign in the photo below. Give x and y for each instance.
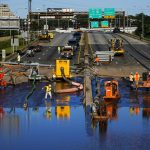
(94, 24)
(109, 13)
(95, 13)
(104, 24)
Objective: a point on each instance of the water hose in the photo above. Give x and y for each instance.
(25, 105)
(70, 90)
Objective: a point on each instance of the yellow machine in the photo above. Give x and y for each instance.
(63, 112)
(51, 35)
(117, 46)
(62, 67)
(44, 35)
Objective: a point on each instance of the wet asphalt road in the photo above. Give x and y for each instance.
(100, 41)
(49, 52)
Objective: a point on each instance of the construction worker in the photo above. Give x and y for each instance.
(97, 60)
(58, 49)
(131, 79)
(48, 90)
(18, 58)
(136, 79)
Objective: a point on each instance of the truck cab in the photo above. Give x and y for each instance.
(67, 52)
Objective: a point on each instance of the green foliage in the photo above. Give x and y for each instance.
(139, 25)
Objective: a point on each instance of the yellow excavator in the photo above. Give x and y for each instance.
(117, 46)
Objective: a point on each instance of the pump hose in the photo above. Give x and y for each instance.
(25, 105)
(63, 75)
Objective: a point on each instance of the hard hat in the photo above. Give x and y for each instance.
(131, 73)
(49, 85)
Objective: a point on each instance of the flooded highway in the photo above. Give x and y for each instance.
(68, 126)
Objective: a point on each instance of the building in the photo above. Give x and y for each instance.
(7, 19)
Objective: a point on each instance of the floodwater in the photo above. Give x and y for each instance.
(68, 127)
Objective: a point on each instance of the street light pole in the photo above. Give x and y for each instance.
(38, 20)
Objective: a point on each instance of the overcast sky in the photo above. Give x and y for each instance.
(131, 6)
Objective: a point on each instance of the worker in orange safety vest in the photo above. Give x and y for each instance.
(136, 78)
(97, 60)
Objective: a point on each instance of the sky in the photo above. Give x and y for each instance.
(19, 7)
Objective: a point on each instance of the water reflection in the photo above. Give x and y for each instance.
(50, 121)
(109, 113)
(146, 109)
(48, 110)
(62, 109)
(9, 121)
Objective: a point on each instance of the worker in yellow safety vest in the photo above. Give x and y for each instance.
(18, 58)
(136, 78)
(48, 91)
(58, 49)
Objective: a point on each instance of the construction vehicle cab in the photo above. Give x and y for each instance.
(111, 90)
(67, 52)
(117, 46)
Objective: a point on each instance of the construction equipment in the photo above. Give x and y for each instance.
(3, 83)
(51, 35)
(117, 46)
(34, 73)
(62, 64)
(44, 35)
(67, 52)
(111, 90)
